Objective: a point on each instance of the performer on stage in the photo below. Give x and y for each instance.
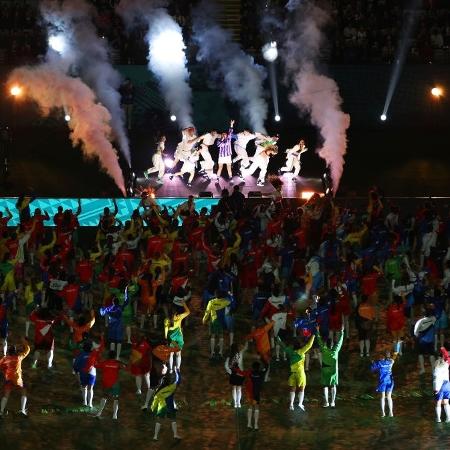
(207, 165)
(158, 161)
(265, 148)
(189, 138)
(186, 153)
(293, 155)
(240, 147)
(225, 152)
(189, 163)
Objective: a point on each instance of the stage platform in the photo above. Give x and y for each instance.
(177, 187)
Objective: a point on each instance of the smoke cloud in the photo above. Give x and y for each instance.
(89, 123)
(242, 77)
(315, 93)
(87, 54)
(166, 57)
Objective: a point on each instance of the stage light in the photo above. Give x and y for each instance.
(57, 43)
(437, 92)
(383, 117)
(67, 118)
(168, 163)
(277, 118)
(270, 51)
(173, 117)
(16, 91)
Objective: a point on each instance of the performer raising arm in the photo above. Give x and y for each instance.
(225, 152)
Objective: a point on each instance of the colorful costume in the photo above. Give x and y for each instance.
(11, 366)
(297, 377)
(163, 404)
(330, 370)
(384, 369)
(115, 322)
(215, 305)
(174, 333)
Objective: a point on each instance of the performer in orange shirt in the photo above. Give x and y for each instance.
(262, 341)
(11, 366)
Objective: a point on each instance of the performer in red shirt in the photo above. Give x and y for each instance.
(70, 293)
(110, 382)
(44, 339)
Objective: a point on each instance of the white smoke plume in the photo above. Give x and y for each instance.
(242, 77)
(166, 57)
(89, 121)
(315, 93)
(86, 54)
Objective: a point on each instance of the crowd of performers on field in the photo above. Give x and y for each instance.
(304, 281)
(194, 152)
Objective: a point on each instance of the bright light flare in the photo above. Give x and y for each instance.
(306, 195)
(270, 51)
(173, 118)
(16, 91)
(437, 92)
(57, 42)
(383, 117)
(168, 163)
(277, 117)
(67, 118)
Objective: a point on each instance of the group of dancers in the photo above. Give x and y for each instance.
(194, 153)
(301, 288)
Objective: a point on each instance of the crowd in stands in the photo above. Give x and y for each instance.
(362, 31)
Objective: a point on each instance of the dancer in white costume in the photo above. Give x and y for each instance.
(293, 155)
(189, 163)
(207, 165)
(158, 161)
(186, 153)
(183, 150)
(240, 147)
(265, 148)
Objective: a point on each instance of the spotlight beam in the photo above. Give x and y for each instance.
(274, 90)
(402, 50)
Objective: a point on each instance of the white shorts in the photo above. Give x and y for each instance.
(225, 159)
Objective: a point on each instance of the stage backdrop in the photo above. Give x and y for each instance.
(92, 208)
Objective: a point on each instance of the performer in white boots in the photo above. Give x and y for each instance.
(293, 155)
(158, 161)
(186, 153)
(183, 150)
(265, 148)
(240, 148)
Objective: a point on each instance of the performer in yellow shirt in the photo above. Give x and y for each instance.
(297, 379)
(216, 326)
(174, 333)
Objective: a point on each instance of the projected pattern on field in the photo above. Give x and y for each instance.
(92, 208)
